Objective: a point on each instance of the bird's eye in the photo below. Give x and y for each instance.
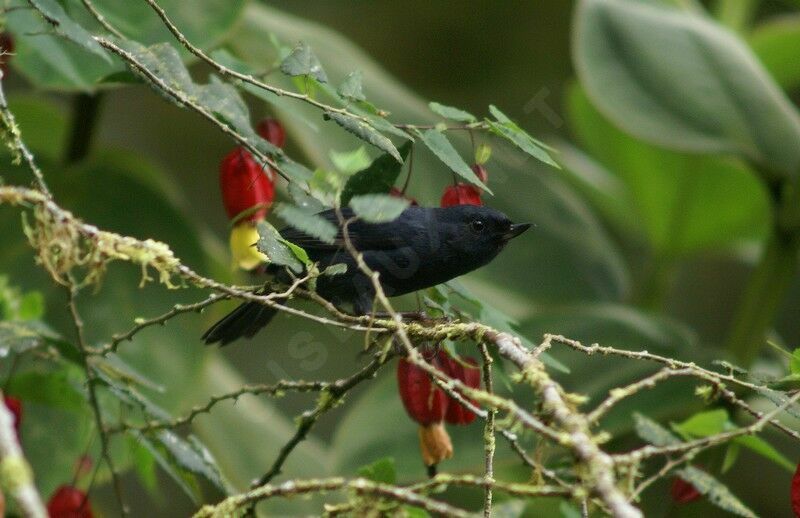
(477, 225)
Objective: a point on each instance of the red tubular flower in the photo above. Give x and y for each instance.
(426, 404)
(272, 131)
(424, 401)
(244, 184)
(468, 374)
(69, 502)
(461, 194)
(15, 406)
(795, 492)
(683, 492)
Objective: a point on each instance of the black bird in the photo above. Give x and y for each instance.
(423, 247)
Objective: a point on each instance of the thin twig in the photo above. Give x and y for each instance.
(91, 381)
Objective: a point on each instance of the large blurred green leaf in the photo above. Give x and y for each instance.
(776, 42)
(567, 257)
(49, 61)
(675, 78)
(682, 203)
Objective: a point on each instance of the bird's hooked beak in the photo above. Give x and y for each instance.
(515, 230)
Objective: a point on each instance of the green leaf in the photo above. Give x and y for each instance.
(776, 42)
(66, 27)
(310, 224)
(441, 147)
(731, 455)
(448, 112)
(703, 424)
(350, 162)
(366, 133)
(508, 129)
(378, 208)
(652, 432)
(766, 450)
(31, 306)
(377, 178)
(60, 388)
(20, 336)
(303, 62)
(271, 244)
(352, 88)
(716, 492)
(382, 470)
(794, 363)
(681, 203)
(653, 70)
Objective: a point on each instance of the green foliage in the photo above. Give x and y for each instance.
(675, 62)
(366, 132)
(377, 178)
(716, 492)
(378, 208)
(382, 470)
(449, 112)
(277, 250)
(681, 203)
(311, 224)
(303, 62)
(351, 88)
(507, 129)
(437, 142)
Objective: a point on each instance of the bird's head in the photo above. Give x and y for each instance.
(479, 233)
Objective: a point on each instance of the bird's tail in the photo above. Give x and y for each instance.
(246, 320)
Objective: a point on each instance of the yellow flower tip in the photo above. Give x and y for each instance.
(245, 255)
(435, 444)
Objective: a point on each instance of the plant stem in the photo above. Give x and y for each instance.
(85, 108)
(770, 280)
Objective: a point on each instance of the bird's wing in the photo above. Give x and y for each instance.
(364, 236)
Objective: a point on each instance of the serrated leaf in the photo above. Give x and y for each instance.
(271, 244)
(382, 470)
(652, 432)
(377, 178)
(66, 27)
(352, 88)
(509, 130)
(310, 224)
(303, 62)
(716, 492)
(437, 142)
(449, 112)
(350, 162)
(366, 133)
(378, 208)
(703, 424)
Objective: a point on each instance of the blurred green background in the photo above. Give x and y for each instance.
(635, 246)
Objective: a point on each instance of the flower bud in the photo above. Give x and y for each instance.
(272, 131)
(245, 185)
(470, 375)
(245, 255)
(69, 502)
(461, 194)
(683, 492)
(423, 400)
